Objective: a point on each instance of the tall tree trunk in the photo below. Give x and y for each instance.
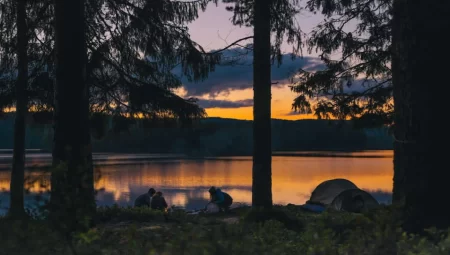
(72, 187)
(16, 209)
(419, 178)
(262, 142)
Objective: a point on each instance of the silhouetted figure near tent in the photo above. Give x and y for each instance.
(145, 199)
(220, 198)
(159, 203)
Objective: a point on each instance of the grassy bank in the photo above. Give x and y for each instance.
(291, 231)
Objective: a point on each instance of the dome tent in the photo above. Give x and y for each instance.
(353, 200)
(340, 195)
(326, 191)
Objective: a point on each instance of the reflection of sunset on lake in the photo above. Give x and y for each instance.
(185, 182)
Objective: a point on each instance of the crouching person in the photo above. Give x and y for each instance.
(220, 198)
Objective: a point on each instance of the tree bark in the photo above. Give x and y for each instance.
(419, 178)
(72, 183)
(262, 142)
(16, 209)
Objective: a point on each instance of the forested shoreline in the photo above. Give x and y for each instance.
(215, 136)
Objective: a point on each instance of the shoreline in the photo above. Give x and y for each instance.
(43, 160)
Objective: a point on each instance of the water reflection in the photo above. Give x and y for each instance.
(185, 182)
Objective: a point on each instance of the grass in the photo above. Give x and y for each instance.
(284, 230)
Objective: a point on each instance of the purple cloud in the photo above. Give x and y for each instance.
(212, 103)
(227, 78)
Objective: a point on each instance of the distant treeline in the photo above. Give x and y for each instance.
(210, 136)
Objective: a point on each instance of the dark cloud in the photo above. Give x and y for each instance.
(227, 78)
(212, 103)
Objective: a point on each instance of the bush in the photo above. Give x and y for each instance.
(119, 214)
(276, 214)
(258, 232)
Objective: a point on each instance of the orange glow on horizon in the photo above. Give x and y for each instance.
(281, 105)
(246, 113)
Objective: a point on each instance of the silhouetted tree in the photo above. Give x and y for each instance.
(18, 55)
(133, 47)
(419, 176)
(262, 132)
(367, 53)
(6, 20)
(16, 208)
(72, 186)
(266, 17)
(39, 47)
(354, 42)
(7, 53)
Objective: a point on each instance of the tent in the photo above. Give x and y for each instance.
(326, 191)
(354, 200)
(340, 195)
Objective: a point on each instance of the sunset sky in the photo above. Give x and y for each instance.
(228, 91)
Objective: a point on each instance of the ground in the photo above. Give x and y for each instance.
(285, 230)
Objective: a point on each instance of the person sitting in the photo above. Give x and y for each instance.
(220, 198)
(145, 199)
(159, 203)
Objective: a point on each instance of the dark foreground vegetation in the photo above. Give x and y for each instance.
(284, 230)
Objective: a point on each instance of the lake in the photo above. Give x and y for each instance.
(185, 181)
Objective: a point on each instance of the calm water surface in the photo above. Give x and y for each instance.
(185, 182)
